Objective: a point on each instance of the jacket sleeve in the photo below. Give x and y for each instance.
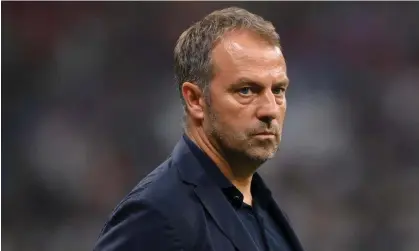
(136, 225)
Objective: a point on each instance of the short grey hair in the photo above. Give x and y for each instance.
(192, 53)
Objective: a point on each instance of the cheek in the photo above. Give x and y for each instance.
(282, 114)
(227, 108)
(230, 122)
(284, 109)
(230, 114)
(283, 106)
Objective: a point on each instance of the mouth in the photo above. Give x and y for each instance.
(265, 135)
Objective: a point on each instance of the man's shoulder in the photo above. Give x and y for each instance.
(158, 180)
(160, 186)
(160, 195)
(162, 190)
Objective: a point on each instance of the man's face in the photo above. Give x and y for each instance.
(246, 109)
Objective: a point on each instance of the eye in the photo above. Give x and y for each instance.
(278, 90)
(245, 91)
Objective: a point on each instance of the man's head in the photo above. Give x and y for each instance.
(232, 80)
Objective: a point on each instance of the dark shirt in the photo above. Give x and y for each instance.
(264, 230)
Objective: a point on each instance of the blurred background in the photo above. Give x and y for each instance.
(89, 107)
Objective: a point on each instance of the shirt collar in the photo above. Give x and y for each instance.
(234, 196)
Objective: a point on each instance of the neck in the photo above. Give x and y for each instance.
(242, 182)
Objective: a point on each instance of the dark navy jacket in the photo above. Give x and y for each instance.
(179, 207)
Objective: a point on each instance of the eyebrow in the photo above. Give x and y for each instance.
(247, 81)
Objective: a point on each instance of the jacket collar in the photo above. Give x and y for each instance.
(221, 210)
(211, 197)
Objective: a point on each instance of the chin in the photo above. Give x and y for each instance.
(261, 155)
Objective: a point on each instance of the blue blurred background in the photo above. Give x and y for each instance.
(89, 106)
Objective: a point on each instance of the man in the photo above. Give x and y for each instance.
(207, 195)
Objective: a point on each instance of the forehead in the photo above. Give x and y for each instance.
(244, 54)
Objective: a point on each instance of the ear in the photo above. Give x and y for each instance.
(194, 100)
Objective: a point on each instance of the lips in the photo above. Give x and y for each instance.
(266, 133)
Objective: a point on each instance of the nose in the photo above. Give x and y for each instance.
(268, 108)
